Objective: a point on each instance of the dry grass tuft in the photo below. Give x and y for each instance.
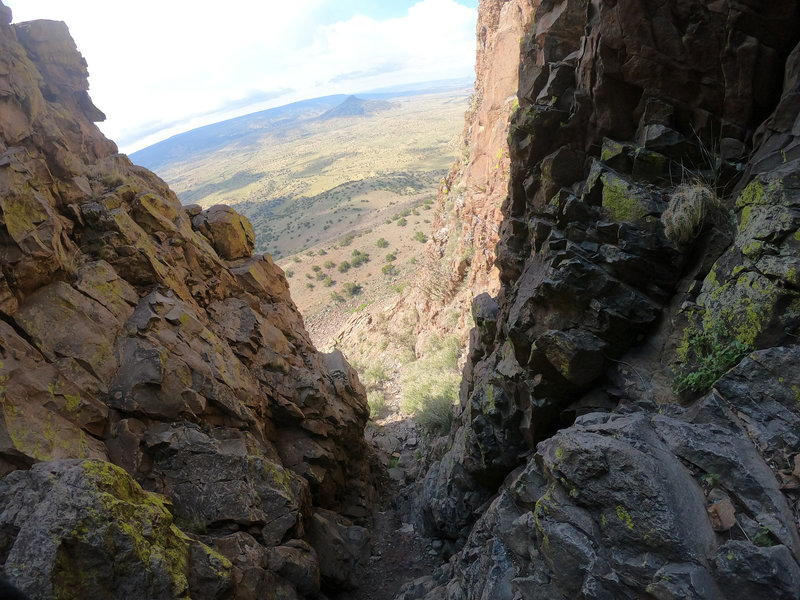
(690, 206)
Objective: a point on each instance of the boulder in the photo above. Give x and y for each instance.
(342, 550)
(230, 233)
(85, 529)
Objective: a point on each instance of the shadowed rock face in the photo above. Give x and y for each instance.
(136, 331)
(574, 470)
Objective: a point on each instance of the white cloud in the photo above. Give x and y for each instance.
(182, 63)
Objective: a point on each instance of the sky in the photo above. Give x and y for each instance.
(161, 67)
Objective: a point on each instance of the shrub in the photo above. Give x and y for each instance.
(690, 207)
(359, 258)
(316, 268)
(706, 355)
(337, 297)
(377, 403)
(343, 267)
(320, 276)
(402, 222)
(351, 289)
(329, 264)
(382, 243)
(289, 273)
(347, 240)
(375, 375)
(295, 259)
(310, 285)
(328, 282)
(430, 386)
(389, 270)
(420, 237)
(391, 257)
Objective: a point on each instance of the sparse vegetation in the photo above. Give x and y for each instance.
(289, 273)
(359, 258)
(430, 385)
(382, 243)
(391, 257)
(420, 237)
(337, 297)
(329, 264)
(343, 267)
(402, 222)
(389, 270)
(377, 403)
(375, 375)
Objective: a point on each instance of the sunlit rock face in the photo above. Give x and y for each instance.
(629, 416)
(141, 333)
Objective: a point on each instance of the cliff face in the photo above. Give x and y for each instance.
(629, 410)
(138, 332)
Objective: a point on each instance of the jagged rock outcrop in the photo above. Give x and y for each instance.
(648, 244)
(136, 331)
(460, 255)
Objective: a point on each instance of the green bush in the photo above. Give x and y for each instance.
(389, 270)
(359, 258)
(337, 297)
(706, 354)
(382, 243)
(402, 222)
(420, 237)
(289, 273)
(316, 268)
(347, 240)
(430, 386)
(329, 264)
(328, 282)
(391, 256)
(351, 289)
(377, 403)
(343, 267)
(375, 375)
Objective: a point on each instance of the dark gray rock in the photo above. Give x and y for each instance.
(85, 529)
(342, 550)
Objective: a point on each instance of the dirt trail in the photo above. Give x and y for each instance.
(399, 553)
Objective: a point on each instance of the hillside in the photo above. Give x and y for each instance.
(312, 172)
(319, 183)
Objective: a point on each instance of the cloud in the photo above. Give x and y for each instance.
(183, 63)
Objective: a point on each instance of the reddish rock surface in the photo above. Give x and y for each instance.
(138, 331)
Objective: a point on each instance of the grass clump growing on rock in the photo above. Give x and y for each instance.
(430, 385)
(690, 207)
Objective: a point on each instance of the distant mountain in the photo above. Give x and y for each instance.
(356, 107)
(244, 130)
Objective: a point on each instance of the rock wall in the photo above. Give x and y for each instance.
(138, 332)
(629, 412)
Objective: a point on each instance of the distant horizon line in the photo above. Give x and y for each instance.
(231, 114)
